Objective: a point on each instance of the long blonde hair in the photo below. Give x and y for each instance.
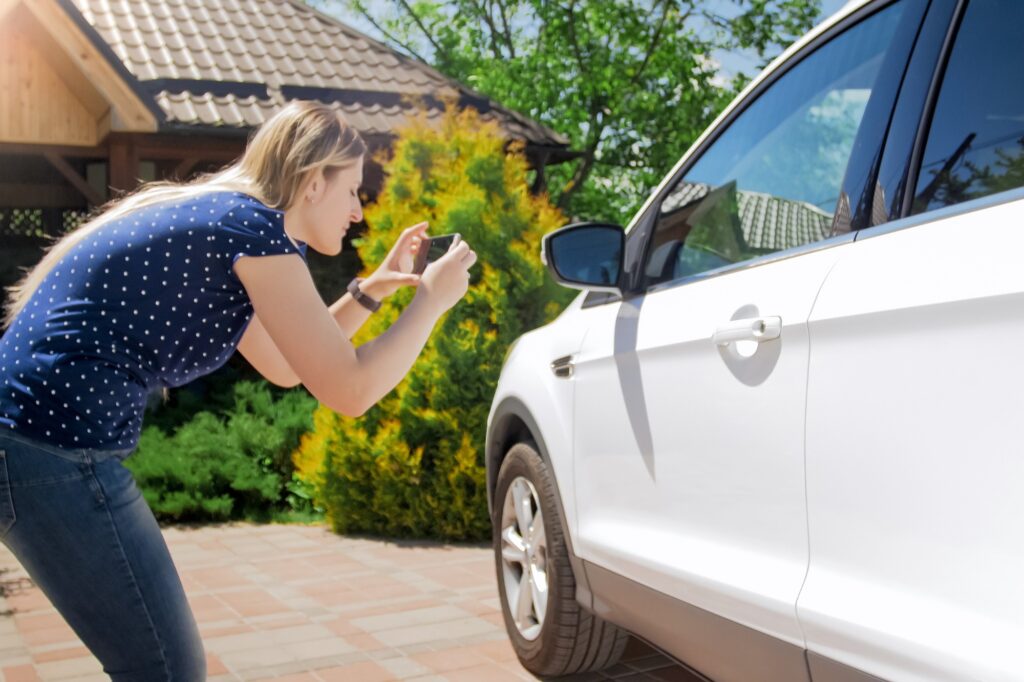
(300, 138)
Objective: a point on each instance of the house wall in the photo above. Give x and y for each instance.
(39, 106)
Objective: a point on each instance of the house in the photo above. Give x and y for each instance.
(99, 94)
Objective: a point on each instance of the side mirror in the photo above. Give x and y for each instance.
(585, 256)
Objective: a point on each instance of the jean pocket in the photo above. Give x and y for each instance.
(6, 500)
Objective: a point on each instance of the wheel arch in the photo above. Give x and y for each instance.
(513, 423)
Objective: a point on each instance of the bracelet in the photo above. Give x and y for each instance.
(366, 301)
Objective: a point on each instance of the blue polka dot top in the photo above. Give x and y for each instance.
(146, 301)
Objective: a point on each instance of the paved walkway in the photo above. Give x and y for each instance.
(300, 603)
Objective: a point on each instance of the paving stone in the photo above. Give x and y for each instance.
(300, 603)
(437, 614)
(432, 632)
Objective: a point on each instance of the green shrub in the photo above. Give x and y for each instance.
(413, 464)
(231, 464)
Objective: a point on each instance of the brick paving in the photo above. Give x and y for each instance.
(299, 603)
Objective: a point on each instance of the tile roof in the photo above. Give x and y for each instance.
(767, 223)
(233, 63)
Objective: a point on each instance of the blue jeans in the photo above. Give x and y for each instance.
(80, 527)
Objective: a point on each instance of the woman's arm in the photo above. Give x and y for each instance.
(259, 349)
(312, 343)
(261, 352)
(349, 313)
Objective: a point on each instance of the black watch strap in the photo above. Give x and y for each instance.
(367, 302)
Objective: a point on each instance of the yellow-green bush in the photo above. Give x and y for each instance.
(413, 464)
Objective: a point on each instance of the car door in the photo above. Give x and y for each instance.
(690, 395)
(914, 466)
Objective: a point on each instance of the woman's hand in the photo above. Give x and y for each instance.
(446, 280)
(396, 270)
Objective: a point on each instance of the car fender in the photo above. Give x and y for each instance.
(536, 407)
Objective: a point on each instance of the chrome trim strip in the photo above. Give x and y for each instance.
(979, 204)
(757, 262)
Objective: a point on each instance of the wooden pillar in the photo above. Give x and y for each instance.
(124, 165)
(540, 181)
(53, 221)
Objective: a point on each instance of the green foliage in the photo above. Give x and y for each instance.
(630, 82)
(413, 464)
(231, 464)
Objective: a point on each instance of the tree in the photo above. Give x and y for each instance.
(629, 81)
(414, 463)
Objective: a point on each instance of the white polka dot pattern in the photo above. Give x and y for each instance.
(147, 301)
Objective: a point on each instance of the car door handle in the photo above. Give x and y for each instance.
(753, 329)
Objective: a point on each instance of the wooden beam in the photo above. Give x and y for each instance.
(30, 195)
(61, 150)
(93, 65)
(176, 147)
(76, 180)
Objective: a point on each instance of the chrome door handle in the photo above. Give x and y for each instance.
(755, 329)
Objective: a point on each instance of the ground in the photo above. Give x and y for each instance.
(295, 602)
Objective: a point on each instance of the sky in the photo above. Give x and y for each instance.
(731, 62)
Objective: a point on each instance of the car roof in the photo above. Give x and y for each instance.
(845, 11)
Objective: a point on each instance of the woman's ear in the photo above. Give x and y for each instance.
(315, 186)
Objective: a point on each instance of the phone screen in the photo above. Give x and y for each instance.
(435, 248)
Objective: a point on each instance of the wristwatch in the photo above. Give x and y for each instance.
(367, 302)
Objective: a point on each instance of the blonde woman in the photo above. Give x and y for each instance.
(158, 289)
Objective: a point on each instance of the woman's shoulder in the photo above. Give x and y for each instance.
(237, 204)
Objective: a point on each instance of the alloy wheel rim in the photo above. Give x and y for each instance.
(524, 557)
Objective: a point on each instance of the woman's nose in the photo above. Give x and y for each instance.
(357, 212)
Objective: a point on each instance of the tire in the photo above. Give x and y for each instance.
(561, 638)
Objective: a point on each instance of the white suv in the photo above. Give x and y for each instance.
(779, 435)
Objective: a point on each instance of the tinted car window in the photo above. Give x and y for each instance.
(976, 142)
(772, 180)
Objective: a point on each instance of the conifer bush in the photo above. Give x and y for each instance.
(413, 464)
(228, 464)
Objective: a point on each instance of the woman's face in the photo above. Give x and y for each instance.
(326, 209)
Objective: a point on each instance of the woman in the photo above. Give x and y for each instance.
(157, 290)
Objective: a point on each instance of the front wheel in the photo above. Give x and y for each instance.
(551, 633)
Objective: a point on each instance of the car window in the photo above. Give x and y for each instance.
(772, 179)
(975, 144)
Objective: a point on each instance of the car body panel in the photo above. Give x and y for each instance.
(526, 377)
(689, 457)
(913, 467)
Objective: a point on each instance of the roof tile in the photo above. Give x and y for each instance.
(279, 43)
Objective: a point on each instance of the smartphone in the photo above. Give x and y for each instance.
(431, 249)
